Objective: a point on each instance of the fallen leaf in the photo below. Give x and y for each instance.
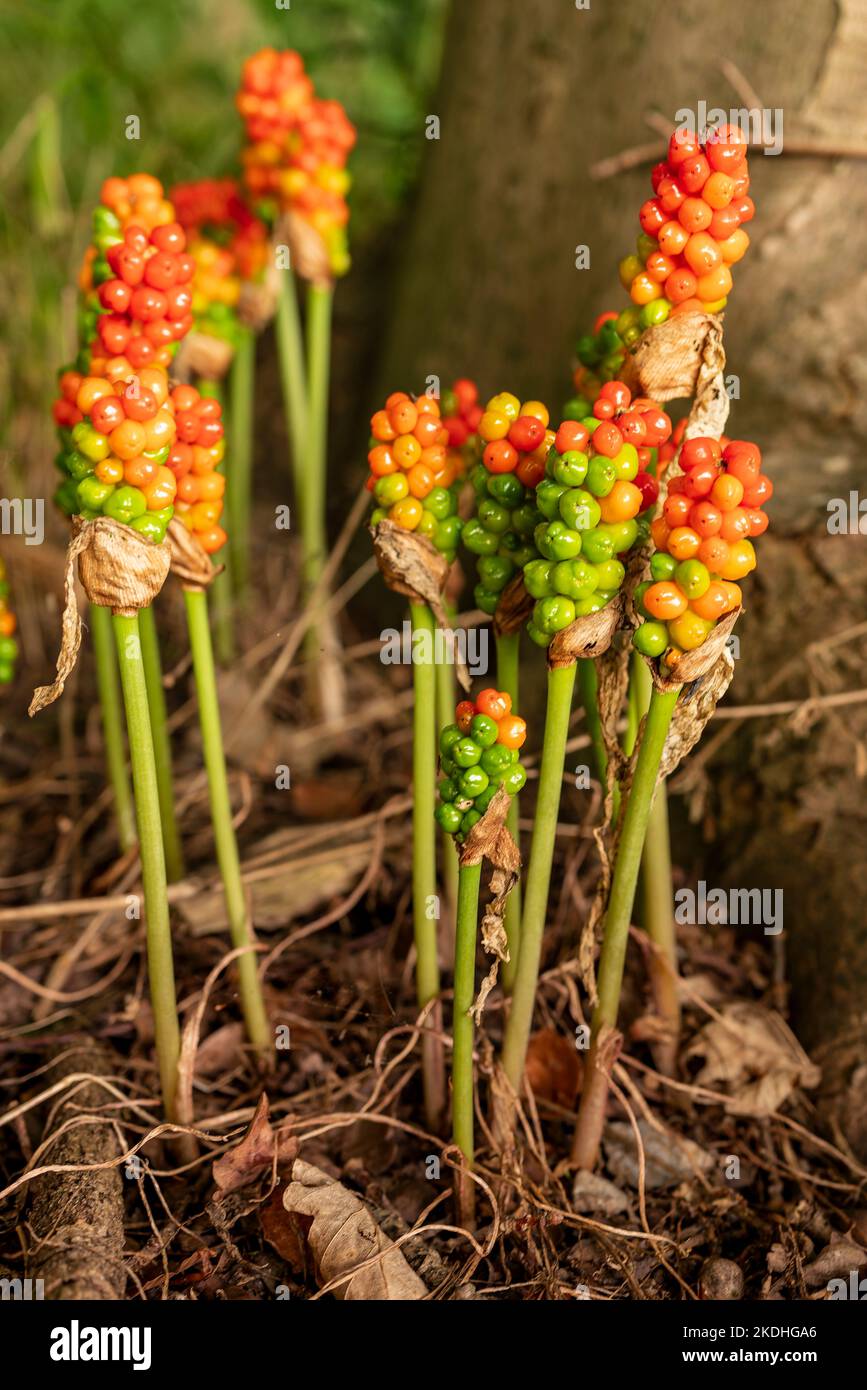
(283, 1230)
(752, 1051)
(554, 1069)
(344, 1235)
(592, 1192)
(258, 1150)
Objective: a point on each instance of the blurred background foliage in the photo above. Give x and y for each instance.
(72, 72)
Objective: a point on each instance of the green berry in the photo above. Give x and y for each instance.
(126, 503)
(610, 574)
(662, 565)
(466, 752)
(563, 543)
(601, 475)
(596, 545)
(449, 818)
(537, 578)
(651, 639)
(470, 819)
(515, 779)
(473, 781)
(450, 735)
(548, 495)
(484, 730)
(579, 509)
(495, 571)
(574, 579)
(693, 578)
(439, 502)
(553, 614)
(495, 759)
(478, 540)
(506, 488)
(494, 516)
(570, 468)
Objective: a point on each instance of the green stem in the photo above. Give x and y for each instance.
(561, 684)
(424, 885)
(588, 688)
(112, 724)
(290, 349)
(657, 898)
(445, 716)
(591, 1116)
(462, 1024)
(153, 867)
(508, 651)
(320, 299)
(150, 653)
(239, 474)
(252, 1002)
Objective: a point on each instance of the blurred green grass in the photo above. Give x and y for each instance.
(72, 71)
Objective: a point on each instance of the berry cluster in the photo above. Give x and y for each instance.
(116, 432)
(478, 754)
(193, 459)
(137, 290)
(600, 358)
(8, 645)
(515, 439)
(595, 502)
(412, 476)
(229, 245)
(297, 147)
(691, 229)
(703, 541)
(461, 412)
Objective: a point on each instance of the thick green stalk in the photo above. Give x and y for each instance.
(561, 683)
(293, 380)
(591, 1115)
(150, 653)
(153, 866)
(462, 1024)
(250, 988)
(657, 899)
(320, 299)
(445, 716)
(239, 474)
(508, 650)
(424, 879)
(588, 688)
(112, 724)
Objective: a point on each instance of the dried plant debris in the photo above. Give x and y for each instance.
(349, 1249)
(751, 1052)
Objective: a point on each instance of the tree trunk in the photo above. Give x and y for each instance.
(532, 95)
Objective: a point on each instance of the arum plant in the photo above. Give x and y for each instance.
(111, 710)
(416, 531)
(686, 616)
(591, 497)
(479, 756)
(198, 514)
(514, 439)
(305, 188)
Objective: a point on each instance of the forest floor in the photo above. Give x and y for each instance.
(720, 1181)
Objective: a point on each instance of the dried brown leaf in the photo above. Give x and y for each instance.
(261, 1148)
(344, 1236)
(553, 1068)
(750, 1050)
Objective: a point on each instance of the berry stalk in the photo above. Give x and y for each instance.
(110, 697)
(561, 684)
(250, 989)
(153, 867)
(445, 713)
(153, 672)
(657, 894)
(321, 636)
(463, 1028)
(424, 881)
(591, 1115)
(508, 646)
(222, 586)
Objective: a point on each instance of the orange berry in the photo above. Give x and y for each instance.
(622, 503)
(110, 470)
(500, 456)
(92, 389)
(407, 513)
(735, 246)
(684, 543)
(716, 285)
(434, 457)
(713, 602)
(212, 539)
(128, 439)
(741, 560)
(421, 479)
(511, 731)
(139, 472)
(644, 289)
(212, 486)
(403, 417)
(496, 704)
(713, 552)
(382, 461)
(664, 600)
(406, 450)
(381, 427)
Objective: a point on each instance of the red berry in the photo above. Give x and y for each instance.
(648, 487)
(607, 439)
(169, 237)
(698, 451)
(527, 433)
(160, 270)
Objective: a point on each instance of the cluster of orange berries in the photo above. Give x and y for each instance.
(478, 755)
(136, 278)
(704, 544)
(194, 459)
(297, 149)
(692, 231)
(229, 244)
(412, 471)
